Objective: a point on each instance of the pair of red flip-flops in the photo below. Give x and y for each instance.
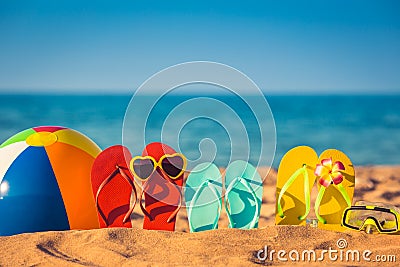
(113, 184)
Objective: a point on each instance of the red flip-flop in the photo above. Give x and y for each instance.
(162, 195)
(112, 185)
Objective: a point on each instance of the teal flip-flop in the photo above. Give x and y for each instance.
(203, 197)
(243, 196)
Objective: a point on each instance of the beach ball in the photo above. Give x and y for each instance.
(45, 181)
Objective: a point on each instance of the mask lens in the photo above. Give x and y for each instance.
(143, 168)
(388, 221)
(357, 217)
(173, 166)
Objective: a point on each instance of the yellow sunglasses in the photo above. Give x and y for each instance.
(174, 165)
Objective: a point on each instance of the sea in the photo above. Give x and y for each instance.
(220, 128)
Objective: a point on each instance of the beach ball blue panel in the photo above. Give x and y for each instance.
(33, 193)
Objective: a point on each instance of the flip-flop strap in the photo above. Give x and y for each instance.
(288, 183)
(130, 211)
(321, 192)
(346, 197)
(141, 203)
(253, 194)
(173, 215)
(104, 183)
(208, 183)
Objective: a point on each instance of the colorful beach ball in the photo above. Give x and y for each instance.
(45, 181)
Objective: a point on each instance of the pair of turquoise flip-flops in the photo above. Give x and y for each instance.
(242, 198)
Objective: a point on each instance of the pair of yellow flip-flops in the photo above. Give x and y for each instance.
(297, 173)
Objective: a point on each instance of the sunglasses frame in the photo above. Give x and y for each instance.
(377, 224)
(159, 165)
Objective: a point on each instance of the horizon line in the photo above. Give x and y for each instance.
(125, 93)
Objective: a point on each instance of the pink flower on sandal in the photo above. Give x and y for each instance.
(329, 173)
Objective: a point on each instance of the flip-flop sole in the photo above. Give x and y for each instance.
(161, 200)
(162, 195)
(115, 197)
(204, 211)
(242, 205)
(293, 200)
(333, 204)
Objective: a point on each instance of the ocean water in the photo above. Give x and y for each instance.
(366, 128)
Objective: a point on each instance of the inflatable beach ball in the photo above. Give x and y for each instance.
(45, 181)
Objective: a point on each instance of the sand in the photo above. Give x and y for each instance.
(137, 247)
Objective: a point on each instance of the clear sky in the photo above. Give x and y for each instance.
(295, 46)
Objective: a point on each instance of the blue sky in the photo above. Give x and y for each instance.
(284, 46)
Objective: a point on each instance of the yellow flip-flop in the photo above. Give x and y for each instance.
(293, 186)
(336, 179)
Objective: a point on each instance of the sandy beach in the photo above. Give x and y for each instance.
(137, 247)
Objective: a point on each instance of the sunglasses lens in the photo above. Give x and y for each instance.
(357, 217)
(173, 166)
(143, 168)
